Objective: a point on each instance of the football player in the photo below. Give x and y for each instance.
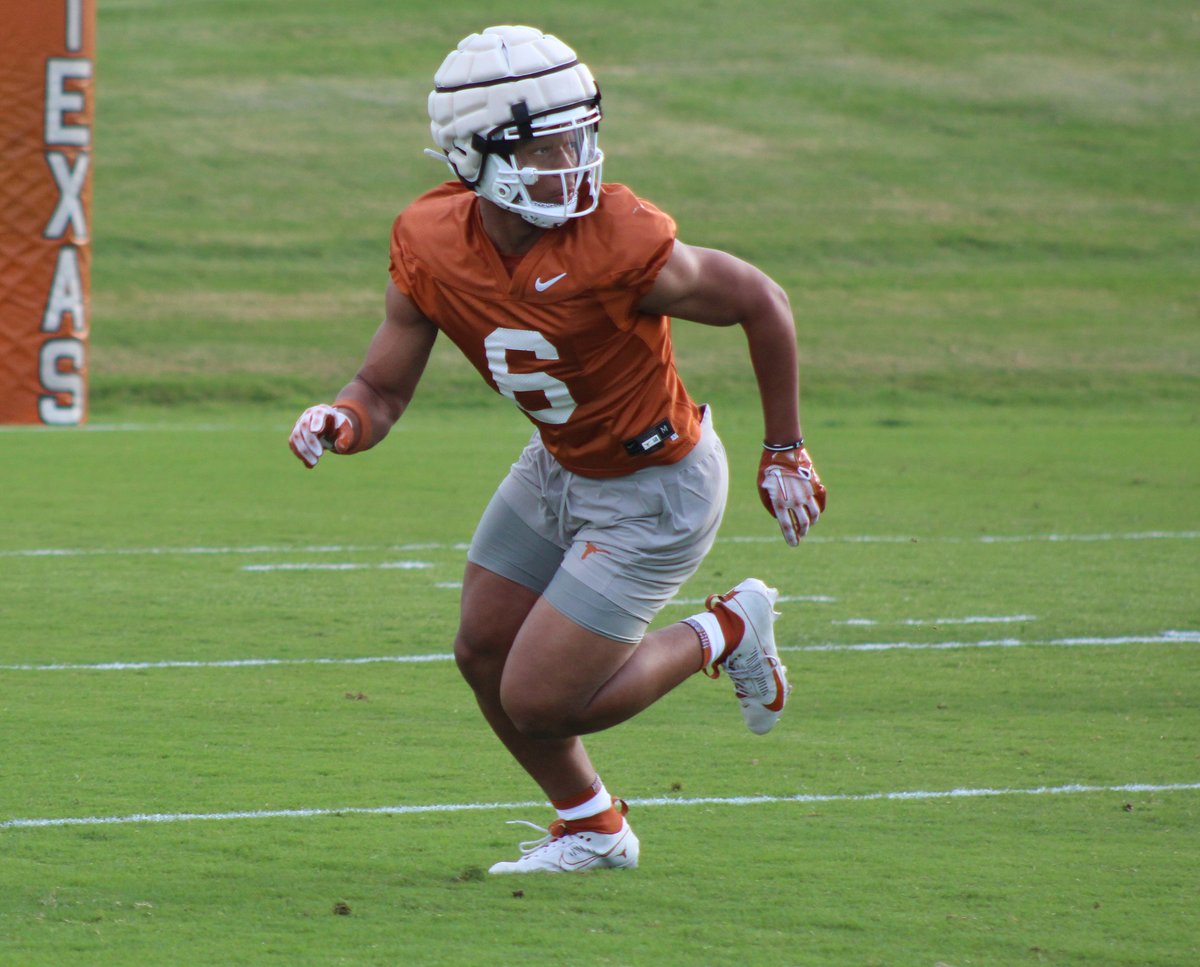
(559, 289)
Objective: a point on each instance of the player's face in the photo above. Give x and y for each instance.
(549, 153)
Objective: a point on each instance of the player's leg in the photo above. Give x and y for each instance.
(590, 831)
(516, 551)
(494, 609)
(561, 679)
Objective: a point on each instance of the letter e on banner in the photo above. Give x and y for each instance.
(47, 63)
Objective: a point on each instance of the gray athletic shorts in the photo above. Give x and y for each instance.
(606, 552)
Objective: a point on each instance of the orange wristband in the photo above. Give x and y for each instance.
(362, 438)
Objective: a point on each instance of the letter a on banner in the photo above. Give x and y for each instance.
(47, 58)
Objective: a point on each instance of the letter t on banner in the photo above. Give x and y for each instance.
(47, 57)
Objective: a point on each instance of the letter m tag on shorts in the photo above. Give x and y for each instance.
(655, 438)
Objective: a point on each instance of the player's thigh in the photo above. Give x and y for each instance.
(509, 566)
(492, 611)
(556, 666)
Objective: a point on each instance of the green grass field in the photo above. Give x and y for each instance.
(232, 731)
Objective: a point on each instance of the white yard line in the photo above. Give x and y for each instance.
(332, 566)
(172, 428)
(229, 551)
(982, 539)
(972, 619)
(461, 546)
(1164, 638)
(799, 798)
(136, 666)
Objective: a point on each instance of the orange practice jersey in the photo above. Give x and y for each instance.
(562, 335)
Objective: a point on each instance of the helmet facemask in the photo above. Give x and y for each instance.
(549, 177)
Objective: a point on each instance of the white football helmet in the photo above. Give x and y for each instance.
(494, 96)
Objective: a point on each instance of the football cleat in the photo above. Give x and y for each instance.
(560, 851)
(759, 678)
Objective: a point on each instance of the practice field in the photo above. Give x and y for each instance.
(233, 731)
(231, 712)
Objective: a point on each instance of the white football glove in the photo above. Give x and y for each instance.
(791, 490)
(320, 428)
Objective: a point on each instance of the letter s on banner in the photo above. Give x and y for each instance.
(61, 372)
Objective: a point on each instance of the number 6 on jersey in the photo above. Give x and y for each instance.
(498, 344)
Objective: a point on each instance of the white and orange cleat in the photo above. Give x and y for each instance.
(561, 851)
(759, 678)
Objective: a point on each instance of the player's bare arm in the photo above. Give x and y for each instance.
(717, 289)
(371, 403)
(395, 360)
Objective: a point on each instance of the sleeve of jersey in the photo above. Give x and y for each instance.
(400, 264)
(408, 272)
(642, 239)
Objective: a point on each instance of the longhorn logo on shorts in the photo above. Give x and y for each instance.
(590, 548)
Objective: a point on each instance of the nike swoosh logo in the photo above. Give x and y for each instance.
(588, 859)
(543, 286)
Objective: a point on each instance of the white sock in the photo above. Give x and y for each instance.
(712, 638)
(598, 803)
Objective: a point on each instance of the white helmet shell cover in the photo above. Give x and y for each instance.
(508, 77)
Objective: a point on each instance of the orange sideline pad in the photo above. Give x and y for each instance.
(47, 58)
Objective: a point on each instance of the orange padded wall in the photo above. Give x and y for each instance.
(47, 100)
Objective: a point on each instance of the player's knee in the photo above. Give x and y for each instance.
(535, 716)
(480, 656)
